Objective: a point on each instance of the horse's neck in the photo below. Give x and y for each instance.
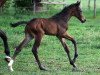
(66, 16)
(62, 16)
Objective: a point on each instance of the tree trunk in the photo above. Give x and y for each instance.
(94, 8)
(89, 4)
(37, 5)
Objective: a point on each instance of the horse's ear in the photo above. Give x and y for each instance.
(78, 2)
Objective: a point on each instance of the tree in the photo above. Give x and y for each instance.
(94, 8)
(37, 5)
(29, 4)
(89, 4)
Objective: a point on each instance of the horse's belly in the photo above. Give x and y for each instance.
(50, 30)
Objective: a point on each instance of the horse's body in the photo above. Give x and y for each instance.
(56, 26)
(46, 26)
(4, 38)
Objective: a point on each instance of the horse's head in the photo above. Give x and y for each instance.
(77, 12)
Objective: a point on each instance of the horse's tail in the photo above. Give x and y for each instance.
(18, 23)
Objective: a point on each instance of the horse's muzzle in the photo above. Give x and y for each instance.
(83, 21)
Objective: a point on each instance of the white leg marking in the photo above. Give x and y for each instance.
(10, 65)
(8, 57)
(10, 68)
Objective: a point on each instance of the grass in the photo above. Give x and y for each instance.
(51, 53)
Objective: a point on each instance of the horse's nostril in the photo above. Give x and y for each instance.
(85, 20)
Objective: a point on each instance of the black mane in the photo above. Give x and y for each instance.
(64, 11)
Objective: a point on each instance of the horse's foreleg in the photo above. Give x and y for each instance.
(67, 36)
(18, 50)
(35, 48)
(62, 40)
(7, 51)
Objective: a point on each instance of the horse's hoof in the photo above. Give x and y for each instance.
(10, 68)
(10, 65)
(41, 68)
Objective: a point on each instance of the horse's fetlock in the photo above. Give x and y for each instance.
(76, 55)
(71, 62)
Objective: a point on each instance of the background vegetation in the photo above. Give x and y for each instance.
(51, 52)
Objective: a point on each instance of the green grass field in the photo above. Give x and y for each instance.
(51, 52)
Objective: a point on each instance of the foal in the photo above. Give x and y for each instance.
(7, 51)
(56, 26)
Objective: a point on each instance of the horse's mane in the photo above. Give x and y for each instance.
(64, 11)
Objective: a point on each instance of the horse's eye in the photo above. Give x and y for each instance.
(80, 10)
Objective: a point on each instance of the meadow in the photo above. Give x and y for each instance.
(51, 52)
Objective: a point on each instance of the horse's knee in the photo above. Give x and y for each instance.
(34, 51)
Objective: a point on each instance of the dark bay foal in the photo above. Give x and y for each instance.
(56, 26)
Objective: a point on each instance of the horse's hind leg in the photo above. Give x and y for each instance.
(21, 45)
(36, 45)
(18, 49)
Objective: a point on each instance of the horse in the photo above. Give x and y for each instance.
(56, 25)
(6, 46)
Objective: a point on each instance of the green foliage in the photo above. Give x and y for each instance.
(23, 3)
(9, 6)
